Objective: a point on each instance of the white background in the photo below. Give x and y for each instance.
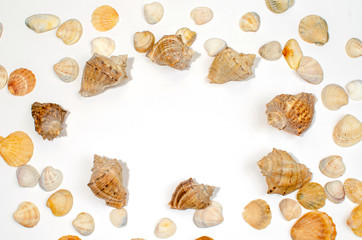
(168, 125)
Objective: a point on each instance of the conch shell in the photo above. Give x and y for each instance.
(257, 214)
(355, 220)
(348, 131)
(27, 214)
(16, 149)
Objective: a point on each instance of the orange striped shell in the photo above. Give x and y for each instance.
(104, 18)
(21, 82)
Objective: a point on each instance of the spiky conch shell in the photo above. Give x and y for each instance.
(16, 149)
(106, 181)
(283, 174)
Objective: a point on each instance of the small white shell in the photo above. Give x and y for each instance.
(279, 6)
(165, 228)
(3, 77)
(332, 166)
(153, 12)
(84, 224)
(310, 70)
(187, 36)
(50, 179)
(334, 97)
(42, 22)
(290, 209)
(209, 216)
(214, 46)
(250, 22)
(271, 51)
(354, 89)
(202, 15)
(27, 176)
(334, 191)
(67, 69)
(354, 48)
(103, 46)
(118, 217)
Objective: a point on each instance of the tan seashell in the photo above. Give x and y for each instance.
(279, 6)
(314, 225)
(334, 191)
(84, 224)
(314, 29)
(348, 131)
(354, 220)
(1, 29)
(42, 22)
(311, 196)
(209, 216)
(202, 15)
(187, 36)
(143, 41)
(353, 190)
(27, 176)
(334, 97)
(271, 51)
(290, 209)
(118, 217)
(27, 214)
(3, 77)
(332, 166)
(257, 214)
(354, 48)
(354, 89)
(50, 179)
(69, 237)
(16, 149)
(101, 72)
(70, 31)
(165, 228)
(153, 12)
(21, 82)
(104, 18)
(60, 202)
(250, 22)
(103, 46)
(67, 69)
(214, 46)
(310, 70)
(292, 53)
(204, 238)
(283, 174)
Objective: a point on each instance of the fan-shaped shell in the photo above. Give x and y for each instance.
(334, 191)
(334, 97)
(143, 41)
(27, 214)
(271, 51)
(257, 214)
(42, 22)
(214, 46)
(310, 70)
(50, 179)
(118, 217)
(312, 196)
(202, 15)
(354, 89)
(153, 12)
(209, 216)
(70, 31)
(332, 166)
(354, 47)
(27, 176)
(279, 6)
(67, 69)
(353, 190)
(3, 77)
(60, 202)
(84, 224)
(292, 53)
(165, 228)
(290, 209)
(104, 18)
(21, 82)
(250, 22)
(354, 220)
(69, 237)
(314, 29)
(348, 131)
(103, 46)
(187, 36)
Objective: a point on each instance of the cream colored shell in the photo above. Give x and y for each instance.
(314, 29)
(354, 47)
(209, 216)
(42, 22)
(292, 53)
(165, 228)
(143, 41)
(27, 214)
(70, 31)
(1, 29)
(202, 15)
(27, 176)
(271, 51)
(118, 217)
(187, 36)
(310, 70)
(279, 6)
(50, 179)
(153, 12)
(84, 224)
(354, 220)
(3, 77)
(214, 46)
(250, 22)
(334, 191)
(67, 69)
(332, 166)
(290, 209)
(257, 214)
(348, 131)
(354, 89)
(103, 46)
(334, 97)
(353, 190)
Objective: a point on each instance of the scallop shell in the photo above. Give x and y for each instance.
(104, 18)
(214, 46)
(153, 12)
(257, 214)
(354, 220)
(354, 89)
(165, 228)
(292, 53)
(42, 22)
(314, 225)
(189, 194)
(118, 217)
(106, 181)
(290, 209)
(27, 176)
(334, 97)
(84, 224)
(103, 46)
(60, 202)
(69, 237)
(67, 69)
(310, 70)
(250, 22)
(314, 29)
(16, 149)
(353, 190)
(271, 51)
(143, 41)
(279, 6)
(21, 82)
(48, 119)
(209, 216)
(187, 36)
(334, 191)
(202, 15)
(204, 238)
(70, 31)
(312, 196)
(27, 214)
(283, 174)
(332, 166)
(50, 179)
(354, 48)
(3, 77)
(101, 72)
(348, 131)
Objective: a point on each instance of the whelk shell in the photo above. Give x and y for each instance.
(314, 29)
(312, 196)
(271, 51)
(310, 70)
(165, 228)
(60, 202)
(354, 220)
(354, 89)
(334, 191)
(84, 224)
(21, 82)
(70, 31)
(42, 22)
(27, 176)
(27, 214)
(353, 190)
(67, 69)
(209, 216)
(334, 97)
(257, 214)
(153, 12)
(354, 48)
(69, 237)
(290, 209)
(3, 77)
(292, 53)
(104, 18)
(348, 131)
(103, 46)
(118, 217)
(279, 6)
(143, 41)
(50, 179)
(187, 36)
(332, 166)
(202, 15)
(250, 22)
(214, 46)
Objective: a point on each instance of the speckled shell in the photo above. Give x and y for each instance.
(332, 166)
(27, 214)
(353, 190)
(292, 53)
(334, 191)
(60, 202)
(50, 179)
(84, 224)
(42, 22)
(67, 69)
(250, 22)
(153, 12)
(143, 41)
(189, 194)
(165, 228)
(202, 15)
(187, 36)
(354, 47)
(271, 51)
(104, 18)
(334, 97)
(118, 217)
(314, 29)
(279, 6)
(312, 196)
(310, 70)
(70, 31)
(209, 216)
(21, 82)
(103, 46)
(354, 220)
(257, 214)
(290, 209)
(27, 176)
(348, 131)
(69, 237)
(354, 89)
(3, 77)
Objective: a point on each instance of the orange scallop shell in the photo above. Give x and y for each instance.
(204, 238)
(21, 82)
(69, 237)
(104, 18)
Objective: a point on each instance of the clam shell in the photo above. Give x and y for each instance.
(314, 29)
(312, 196)
(279, 6)
(3, 77)
(354, 220)
(27, 214)
(165, 228)
(334, 191)
(354, 48)
(42, 22)
(353, 190)
(202, 15)
(69, 237)
(257, 214)
(104, 18)
(143, 41)
(250, 22)
(118, 217)
(27, 176)
(1, 29)
(271, 51)
(103, 46)
(214, 46)
(354, 89)
(70, 31)
(67, 69)
(334, 97)
(209, 216)
(60, 202)
(204, 238)
(348, 131)
(292, 53)
(187, 36)
(153, 12)
(310, 70)
(332, 166)
(50, 179)
(290, 209)
(21, 82)
(84, 224)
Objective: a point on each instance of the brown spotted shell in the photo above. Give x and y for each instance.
(21, 82)
(353, 190)
(257, 214)
(354, 220)
(312, 196)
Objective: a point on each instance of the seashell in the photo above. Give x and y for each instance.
(354, 48)
(3, 77)
(279, 6)
(171, 51)
(283, 174)
(214, 46)
(118, 217)
(250, 22)
(21, 82)
(1, 29)
(348, 131)
(103, 46)
(209, 216)
(189, 194)
(354, 89)
(271, 51)
(69, 237)
(290, 209)
(27, 214)
(101, 72)
(311, 196)
(332, 166)
(42, 22)
(48, 119)
(204, 238)
(353, 190)
(153, 12)
(291, 113)
(143, 41)
(70, 31)
(334, 191)
(292, 53)
(314, 225)
(16, 149)
(27, 176)
(60, 202)
(257, 214)
(310, 70)
(50, 179)
(314, 29)
(106, 181)
(354, 220)
(67, 69)
(84, 224)
(202, 15)
(187, 36)
(334, 97)
(165, 228)
(104, 18)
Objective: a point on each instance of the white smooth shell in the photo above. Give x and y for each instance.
(354, 48)
(50, 179)
(209, 216)
(332, 166)
(214, 46)
(42, 22)
(202, 15)
(153, 12)
(84, 224)
(118, 217)
(27, 176)
(271, 51)
(103, 46)
(3, 77)
(354, 89)
(310, 70)
(165, 228)
(67, 69)
(334, 191)
(290, 209)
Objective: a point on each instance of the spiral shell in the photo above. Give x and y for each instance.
(70, 31)
(334, 97)
(153, 12)
(290, 209)
(202, 15)
(271, 51)
(104, 18)
(50, 179)
(354, 89)
(354, 220)
(84, 224)
(312, 196)
(60, 202)
(257, 214)
(187, 36)
(310, 70)
(3, 77)
(292, 53)
(354, 47)
(334, 191)
(143, 41)
(209, 216)
(250, 22)
(118, 217)
(27, 176)
(314, 29)
(348, 131)
(42, 22)
(27, 214)
(279, 6)
(353, 190)
(21, 82)
(332, 166)
(103, 46)
(165, 228)
(67, 69)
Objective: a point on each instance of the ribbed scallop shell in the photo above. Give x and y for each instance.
(354, 220)
(292, 53)
(118, 217)
(312, 196)
(3, 77)
(27, 176)
(67, 69)
(27, 214)
(143, 41)
(290, 209)
(353, 190)
(165, 228)
(250, 22)
(69, 237)
(187, 36)
(214, 46)
(103, 46)
(257, 214)
(334, 97)
(354, 48)
(104, 18)
(153, 12)
(334, 191)
(348, 131)
(42, 22)
(354, 89)
(271, 51)
(209, 216)
(310, 70)
(279, 6)
(332, 166)
(202, 15)
(314, 29)
(50, 179)
(21, 82)
(70, 31)
(84, 224)
(60, 202)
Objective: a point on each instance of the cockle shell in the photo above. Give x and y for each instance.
(60, 202)
(312, 196)
(354, 220)
(279, 6)
(214, 46)
(48, 119)
(21, 82)
(353, 190)
(27, 214)
(27, 176)
(354, 89)
(348, 131)
(204, 238)
(67, 69)
(250, 22)
(334, 97)
(103, 46)
(314, 29)
(104, 18)
(70, 31)
(209, 216)
(153, 12)
(332, 166)
(16, 149)
(69, 237)
(171, 51)
(314, 225)
(271, 51)
(310, 70)
(290, 209)
(283, 174)
(50, 179)
(334, 191)
(42, 22)
(292, 53)
(354, 48)
(84, 224)
(101, 72)
(257, 214)
(187, 36)
(106, 181)
(143, 41)
(118, 217)
(202, 15)
(3, 77)
(165, 228)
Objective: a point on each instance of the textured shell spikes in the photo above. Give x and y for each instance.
(70, 31)
(67, 69)
(27, 214)
(314, 29)
(104, 18)
(279, 6)
(257, 214)
(21, 82)
(48, 119)
(348, 131)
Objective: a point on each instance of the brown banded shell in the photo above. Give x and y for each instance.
(209, 216)
(250, 22)
(334, 97)
(50, 179)
(354, 47)
(279, 6)
(104, 18)
(21, 82)
(310, 70)
(314, 29)
(257, 214)
(348, 131)
(3, 77)
(143, 41)
(187, 36)
(60, 202)
(69, 237)
(42, 22)
(202, 15)
(292, 53)
(67, 69)
(353, 190)
(271, 51)
(354, 220)
(312, 196)
(332, 166)
(290, 209)
(70, 31)
(334, 191)
(27, 176)
(27, 214)
(84, 224)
